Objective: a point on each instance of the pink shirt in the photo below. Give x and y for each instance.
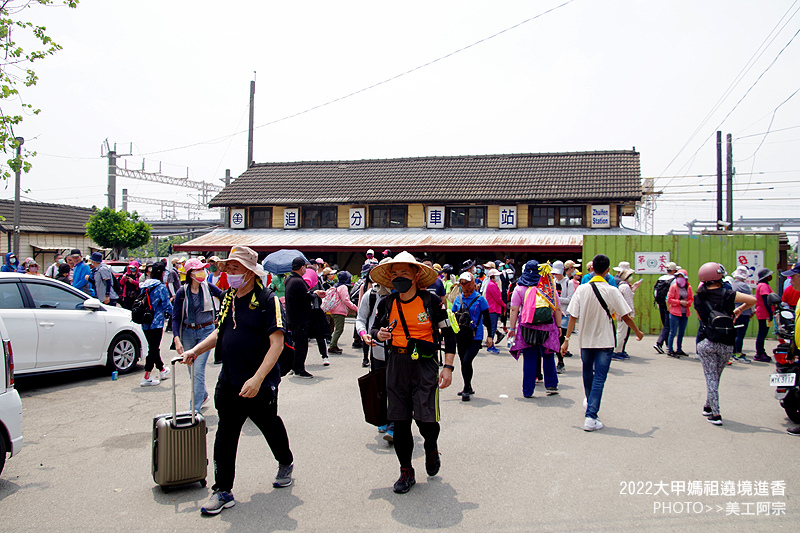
(493, 296)
(344, 302)
(762, 290)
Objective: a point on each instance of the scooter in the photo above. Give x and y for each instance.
(785, 379)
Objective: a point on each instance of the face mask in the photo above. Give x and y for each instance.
(479, 271)
(236, 280)
(34, 269)
(60, 261)
(496, 279)
(199, 277)
(212, 268)
(681, 282)
(402, 285)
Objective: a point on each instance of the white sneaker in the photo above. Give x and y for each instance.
(585, 403)
(164, 373)
(326, 361)
(592, 424)
(148, 382)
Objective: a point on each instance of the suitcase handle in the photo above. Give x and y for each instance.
(174, 396)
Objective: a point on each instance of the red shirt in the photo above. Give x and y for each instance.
(762, 290)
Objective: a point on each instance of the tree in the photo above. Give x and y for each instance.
(117, 230)
(163, 247)
(15, 69)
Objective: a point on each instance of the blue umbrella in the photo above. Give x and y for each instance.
(280, 262)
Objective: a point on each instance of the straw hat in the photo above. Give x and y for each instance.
(380, 273)
(247, 257)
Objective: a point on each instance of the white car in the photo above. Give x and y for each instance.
(10, 404)
(56, 327)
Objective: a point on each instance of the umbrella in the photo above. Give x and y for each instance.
(280, 262)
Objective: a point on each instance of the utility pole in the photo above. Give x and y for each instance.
(252, 117)
(719, 181)
(226, 212)
(125, 200)
(729, 178)
(112, 178)
(17, 221)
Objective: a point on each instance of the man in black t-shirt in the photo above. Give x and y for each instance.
(250, 340)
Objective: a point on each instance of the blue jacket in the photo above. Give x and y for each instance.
(12, 268)
(79, 280)
(159, 299)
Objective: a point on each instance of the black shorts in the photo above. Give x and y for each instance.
(412, 387)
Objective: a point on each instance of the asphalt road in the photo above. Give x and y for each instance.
(508, 463)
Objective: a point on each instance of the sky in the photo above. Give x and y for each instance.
(169, 82)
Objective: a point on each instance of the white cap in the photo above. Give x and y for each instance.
(740, 272)
(371, 251)
(466, 276)
(558, 268)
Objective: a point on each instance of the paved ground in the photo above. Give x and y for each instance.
(508, 463)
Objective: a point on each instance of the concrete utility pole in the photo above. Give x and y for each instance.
(20, 142)
(730, 180)
(252, 117)
(112, 178)
(719, 181)
(125, 199)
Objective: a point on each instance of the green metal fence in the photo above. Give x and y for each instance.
(688, 251)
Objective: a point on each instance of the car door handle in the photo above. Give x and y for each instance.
(47, 324)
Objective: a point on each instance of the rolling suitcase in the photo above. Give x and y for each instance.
(179, 444)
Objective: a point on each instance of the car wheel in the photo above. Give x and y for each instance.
(3, 452)
(123, 353)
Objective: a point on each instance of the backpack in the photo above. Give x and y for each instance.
(142, 310)
(331, 300)
(355, 290)
(720, 327)
(464, 319)
(116, 285)
(660, 291)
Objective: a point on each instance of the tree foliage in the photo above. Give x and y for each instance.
(163, 247)
(16, 71)
(117, 230)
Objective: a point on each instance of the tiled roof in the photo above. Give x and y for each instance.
(554, 177)
(45, 218)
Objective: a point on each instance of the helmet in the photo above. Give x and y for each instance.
(711, 272)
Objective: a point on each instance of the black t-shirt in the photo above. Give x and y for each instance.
(243, 348)
(437, 288)
(721, 299)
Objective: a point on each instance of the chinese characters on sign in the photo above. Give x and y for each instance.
(291, 218)
(651, 262)
(753, 261)
(508, 217)
(237, 219)
(357, 218)
(435, 217)
(601, 216)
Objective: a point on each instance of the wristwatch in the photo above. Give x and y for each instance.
(449, 367)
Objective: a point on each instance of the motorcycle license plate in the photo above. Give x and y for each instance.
(782, 380)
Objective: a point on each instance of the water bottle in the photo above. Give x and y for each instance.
(114, 375)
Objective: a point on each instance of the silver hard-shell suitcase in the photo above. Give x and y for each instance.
(179, 443)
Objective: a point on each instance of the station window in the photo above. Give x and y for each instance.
(388, 216)
(260, 217)
(556, 216)
(466, 217)
(319, 217)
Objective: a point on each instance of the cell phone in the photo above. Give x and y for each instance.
(392, 325)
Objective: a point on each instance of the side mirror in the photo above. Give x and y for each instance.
(92, 304)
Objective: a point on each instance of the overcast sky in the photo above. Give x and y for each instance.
(173, 78)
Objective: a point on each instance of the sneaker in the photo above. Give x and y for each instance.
(560, 368)
(500, 336)
(673, 354)
(551, 390)
(794, 431)
(382, 429)
(539, 378)
(218, 501)
(592, 424)
(707, 411)
(432, 462)
(658, 348)
(334, 350)
(493, 350)
(406, 481)
(716, 420)
(149, 382)
(365, 363)
(465, 396)
(729, 362)
(389, 435)
(741, 358)
(356, 344)
(326, 361)
(165, 373)
(568, 354)
(461, 393)
(303, 374)
(585, 403)
(681, 352)
(625, 355)
(284, 476)
(762, 358)
(618, 356)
